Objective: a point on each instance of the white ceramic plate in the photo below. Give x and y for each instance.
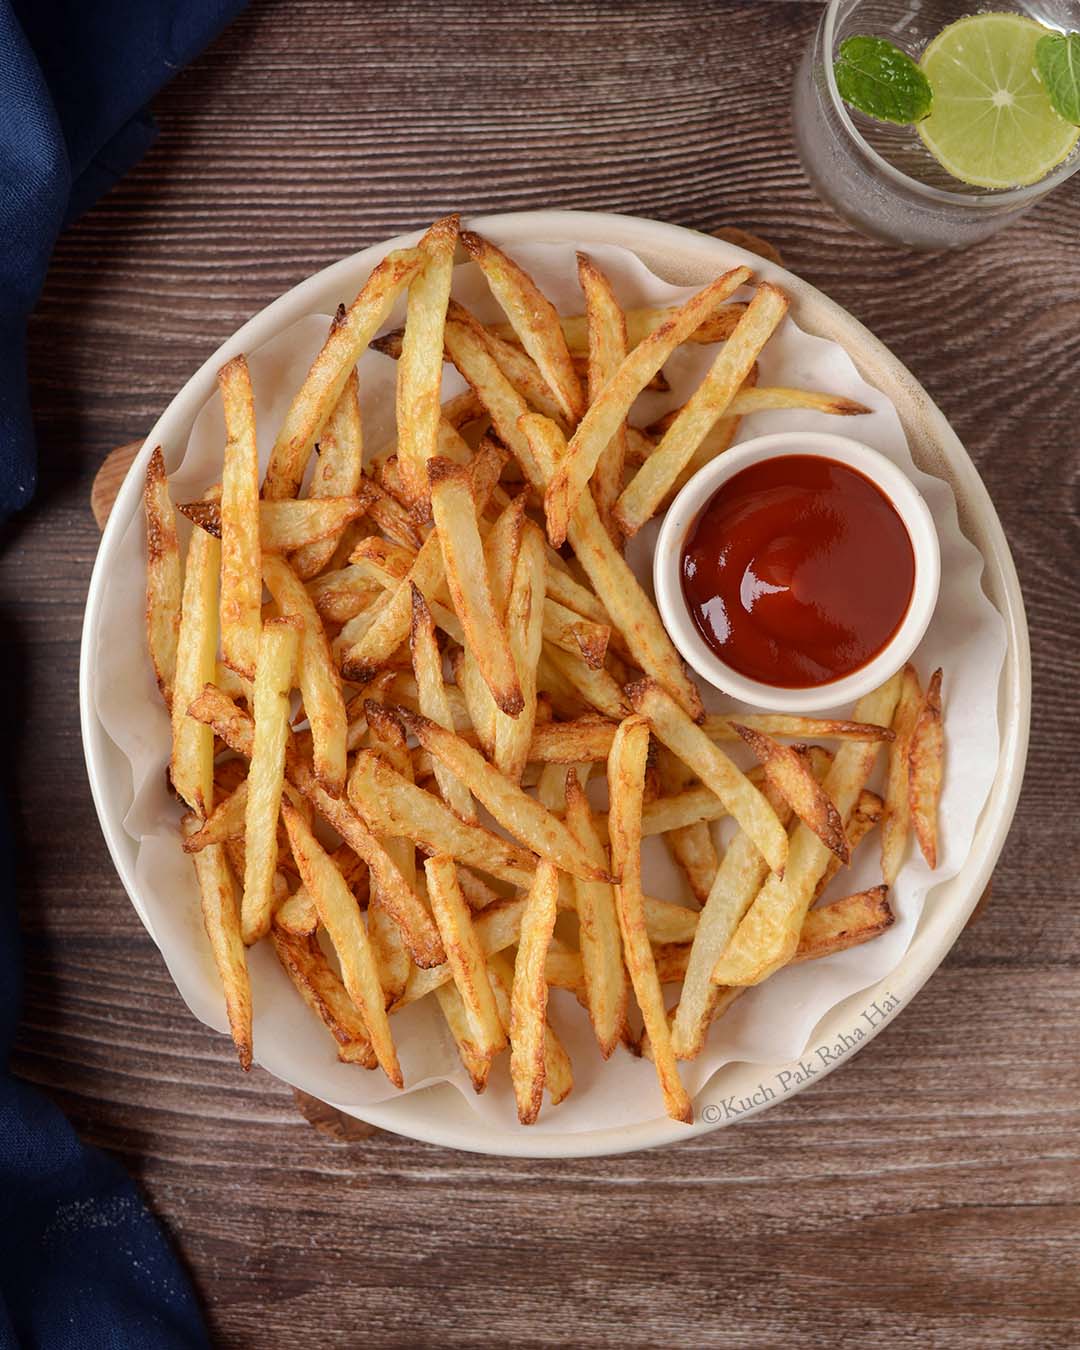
(439, 1114)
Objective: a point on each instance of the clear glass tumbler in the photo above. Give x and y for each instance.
(879, 177)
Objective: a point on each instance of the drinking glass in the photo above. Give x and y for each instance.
(879, 177)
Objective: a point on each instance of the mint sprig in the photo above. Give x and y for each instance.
(1057, 57)
(882, 81)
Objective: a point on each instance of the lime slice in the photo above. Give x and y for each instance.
(992, 123)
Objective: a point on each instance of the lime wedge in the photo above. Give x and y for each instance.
(992, 123)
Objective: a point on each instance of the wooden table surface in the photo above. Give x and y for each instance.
(928, 1192)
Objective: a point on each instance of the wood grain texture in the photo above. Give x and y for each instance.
(928, 1192)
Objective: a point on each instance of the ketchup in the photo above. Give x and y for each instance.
(798, 571)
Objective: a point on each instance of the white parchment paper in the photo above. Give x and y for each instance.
(774, 1020)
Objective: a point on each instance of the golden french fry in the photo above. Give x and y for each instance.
(690, 744)
(221, 919)
(640, 323)
(844, 923)
(768, 934)
(528, 1003)
(163, 583)
(464, 954)
(691, 846)
(520, 815)
(597, 687)
(926, 769)
(558, 1074)
(631, 611)
(191, 767)
(501, 549)
(626, 780)
(340, 916)
(533, 319)
(454, 511)
(720, 727)
(524, 627)
(710, 400)
(303, 961)
(241, 579)
(477, 1063)
(226, 821)
(737, 882)
(794, 780)
(572, 633)
(896, 821)
(608, 348)
(324, 382)
(865, 815)
(606, 989)
(584, 739)
(433, 701)
(609, 410)
(298, 915)
(320, 686)
(496, 928)
(388, 740)
(419, 374)
(338, 472)
(288, 524)
(277, 660)
(391, 517)
(393, 806)
(477, 697)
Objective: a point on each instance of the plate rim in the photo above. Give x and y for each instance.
(438, 1114)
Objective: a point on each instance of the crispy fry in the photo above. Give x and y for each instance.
(528, 1003)
(572, 633)
(767, 937)
(631, 611)
(533, 319)
(191, 766)
(608, 348)
(464, 954)
(477, 1063)
(608, 412)
(640, 323)
(277, 660)
(454, 510)
(710, 400)
(241, 579)
(793, 779)
(525, 615)
(597, 687)
(289, 524)
(585, 738)
(338, 472)
(605, 980)
(221, 918)
(518, 814)
(720, 727)
(496, 928)
(387, 739)
(340, 916)
(303, 961)
(324, 382)
(626, 777)
(320, 686)
(433, 701)
(863, 818)
(163, 583)
(394, 806)
(558, 1075)
(896, 821)
(671, 725)
(298, 914)
(926, 769)
(419, 375)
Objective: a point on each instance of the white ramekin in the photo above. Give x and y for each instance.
(695, 495)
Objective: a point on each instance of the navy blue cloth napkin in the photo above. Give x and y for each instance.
(83, 1265)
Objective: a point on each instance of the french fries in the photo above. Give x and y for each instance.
(736, 358)
(608, 412)
(278, 648)
(420, 367)
(163, 581)
(221, 918)
(454, 659)
(626, 777)
(528, 1002)
(340, 915)
(926, 769)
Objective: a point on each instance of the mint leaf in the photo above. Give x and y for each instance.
(882, 81)
(1058, 58)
